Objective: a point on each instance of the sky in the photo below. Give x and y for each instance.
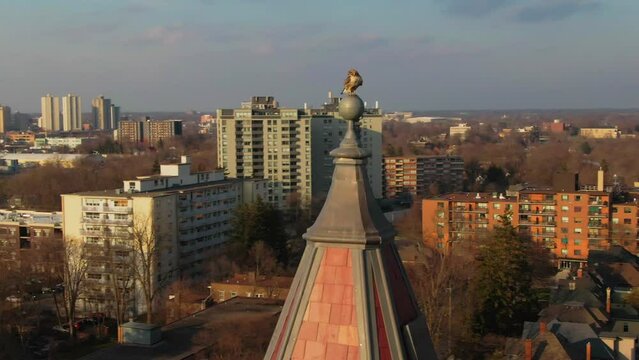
(178, 55)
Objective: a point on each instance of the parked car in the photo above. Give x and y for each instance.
(13, 298)
(83, 323)
(63, 328)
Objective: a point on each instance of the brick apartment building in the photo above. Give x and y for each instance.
(413, 175)
(31, 244)
(568, 223)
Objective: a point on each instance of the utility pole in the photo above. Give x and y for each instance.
(450, 319)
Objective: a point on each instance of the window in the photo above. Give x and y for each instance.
(496, 205)
(627, 221)
(564, 208)
(615, 221)
(577, 230)
(577, 252)
(564, 251)
(577, 197)
(564, 197)
(627, 210)
(577, 242)
(564, 219)
(577, 208)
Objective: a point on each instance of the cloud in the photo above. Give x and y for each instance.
(475, 8)
(160, 35)
(555, 10)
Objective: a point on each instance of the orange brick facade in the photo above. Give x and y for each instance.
(569, 224)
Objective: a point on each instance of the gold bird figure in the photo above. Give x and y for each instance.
(353, 81)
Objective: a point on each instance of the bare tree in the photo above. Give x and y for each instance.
(264, 259)
(122, 279)
(145, 256)
(74, 269)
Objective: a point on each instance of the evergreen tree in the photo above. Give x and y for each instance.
(259, 221)
(504, 284)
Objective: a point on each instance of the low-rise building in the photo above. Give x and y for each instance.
(31, 245)
(182, 215)
(71, 142)
(250, 285)
(21, 137)
(604, 132)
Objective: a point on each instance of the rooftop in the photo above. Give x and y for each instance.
(476, 197)
(183, 338)
(247, 279)
(31, 217)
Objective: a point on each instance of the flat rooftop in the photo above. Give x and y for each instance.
(31, 217)
(180, 339)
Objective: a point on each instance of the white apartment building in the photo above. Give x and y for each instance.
(187, 214)
(71, 112)
(50, 113)
(461, 130)
(290, 147)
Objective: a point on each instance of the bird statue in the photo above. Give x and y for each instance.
(353, 81)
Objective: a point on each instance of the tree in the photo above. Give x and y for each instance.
(122, 279)
(586, 148)
(255, 222)
(74, 269)
(503, 287)
(144, 254)
(262, 256)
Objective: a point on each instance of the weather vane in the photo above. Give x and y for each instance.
(352, 82)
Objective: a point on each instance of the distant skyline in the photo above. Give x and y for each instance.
(170, 55)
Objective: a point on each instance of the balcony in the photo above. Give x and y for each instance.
(538, 201)
(597, 214)
(114, 209)
(597, 225)
(88, 220)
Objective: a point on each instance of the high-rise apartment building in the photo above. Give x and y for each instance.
(568, 223)
(114, 114)
(290, 147)
(184, 214)
(5, 117)
(106, 115)
(51, 113)
(71, 112)
(149, 131)
(412, 176)
(130, 131)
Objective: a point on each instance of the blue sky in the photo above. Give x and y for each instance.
(413, 54)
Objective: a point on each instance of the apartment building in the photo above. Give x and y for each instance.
(106, 115)
(569, 224)
(185, 214)
(5, 117)
(50, 113)
(411, 176)
(71, 112)
(149, 131)
(624, 228)
(460, 130)
(290, 147)
(31, 245)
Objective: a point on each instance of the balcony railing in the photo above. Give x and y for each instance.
(115, 209)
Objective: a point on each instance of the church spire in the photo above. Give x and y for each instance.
(350, 298)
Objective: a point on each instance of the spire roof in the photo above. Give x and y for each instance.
(350, 298)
